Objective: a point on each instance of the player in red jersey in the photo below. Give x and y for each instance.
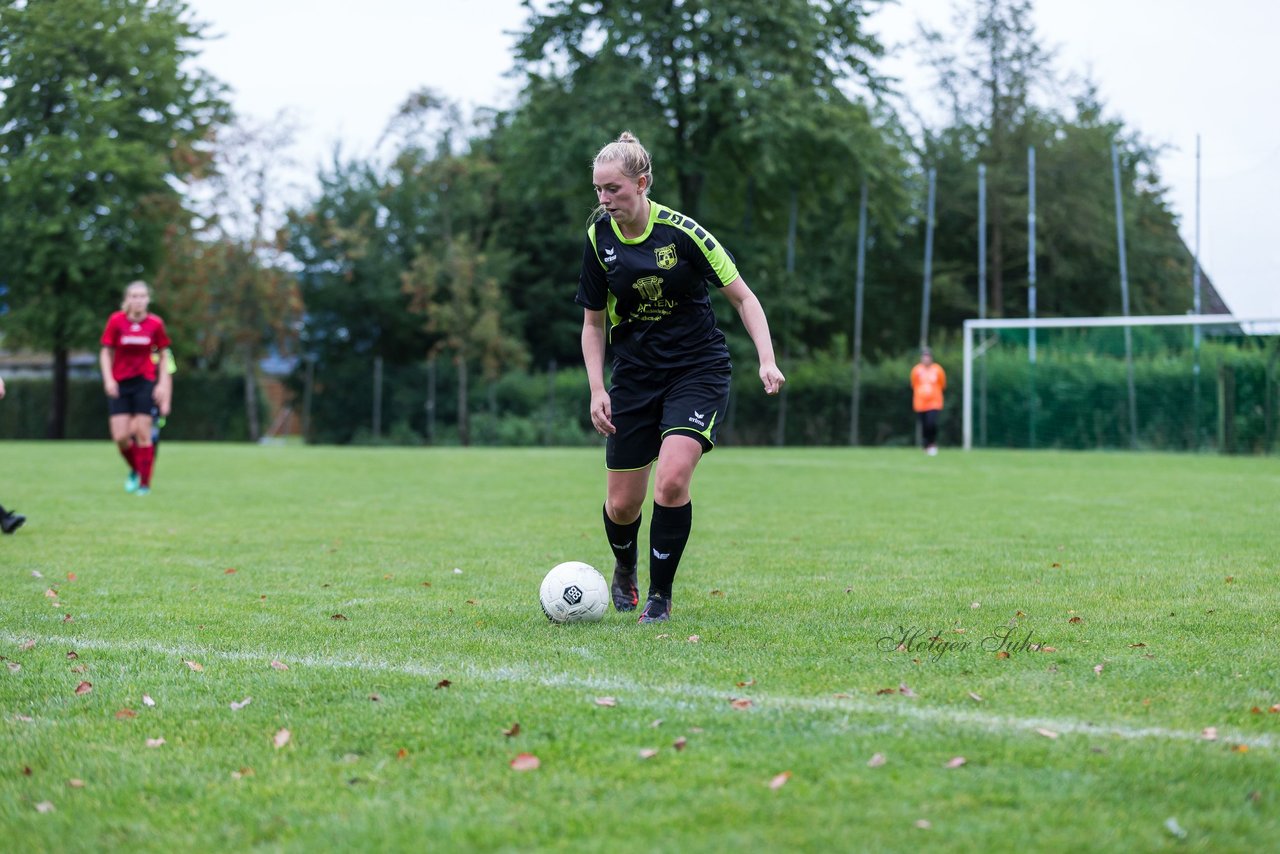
(129, 372)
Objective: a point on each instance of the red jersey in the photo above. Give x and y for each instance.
(134, 342)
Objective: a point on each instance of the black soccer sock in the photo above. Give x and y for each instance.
(622, 539)
(668, 534)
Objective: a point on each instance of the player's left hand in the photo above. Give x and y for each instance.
(772, 378)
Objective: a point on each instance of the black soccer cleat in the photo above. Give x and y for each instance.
(11, 522)
(625, 593)
(656, 610)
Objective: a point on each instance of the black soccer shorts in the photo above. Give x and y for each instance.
(649, 405)
(135, 397)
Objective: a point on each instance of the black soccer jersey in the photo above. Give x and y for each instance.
(655, 290)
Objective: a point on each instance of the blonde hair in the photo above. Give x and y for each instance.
(634, 159)
(124, 298)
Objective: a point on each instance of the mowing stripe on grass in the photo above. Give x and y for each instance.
(672, 692)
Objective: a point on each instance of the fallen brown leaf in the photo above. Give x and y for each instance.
(402, 753)
(194, 665)
(375, 697)
(51, 594)
(76, 783)
(126, 714)
(337, 617)
(1075, 620)
(1239, 748)
(880, 691)
(229, 571)
(13, 666)
(906, 691)
(745, 684)
(1002, 654)
(26, 645)
(876, 760)
(79, 668)
(443, 683)
(717, 593)
(512, 731)
(281, 738)
(1136, 645)
(525, 762)
(67, 618)
(780, 780)
(842, 696)
(740, 703)
(72, 654)
(279, 665)
(84, 687)
(679, 743)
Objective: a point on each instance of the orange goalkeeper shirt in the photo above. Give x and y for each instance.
(927, 385)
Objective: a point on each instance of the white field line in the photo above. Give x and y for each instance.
(670, 692)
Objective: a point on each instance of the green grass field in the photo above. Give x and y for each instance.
(1143, 724)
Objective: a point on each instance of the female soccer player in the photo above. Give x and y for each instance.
(646, 268)
(129, 372)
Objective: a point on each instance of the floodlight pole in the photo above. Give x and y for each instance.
(1124, 298)
(982, 295)
(928, 263)
(1031, 289)
(858, 289)
(1196, 308)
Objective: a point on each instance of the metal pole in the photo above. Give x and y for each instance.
(967, 389)
(928, 264)
(1196, 309)
(982, 298)
(1124, 298)
(858, 289)
(377, 396)
(780, 437)
(1031, 293)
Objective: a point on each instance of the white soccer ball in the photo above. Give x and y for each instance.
(574, 592)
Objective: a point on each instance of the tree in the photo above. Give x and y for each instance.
(707, 67)
(229, 278)
(1003, 96)
(101, 120)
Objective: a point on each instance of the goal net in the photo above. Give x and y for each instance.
(1166, 383)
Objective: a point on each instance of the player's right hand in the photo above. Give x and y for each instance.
(112, 388)
(602, 413)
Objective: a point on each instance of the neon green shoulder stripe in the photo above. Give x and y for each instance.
(721, 262)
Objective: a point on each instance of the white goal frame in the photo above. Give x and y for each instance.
(1249, 325)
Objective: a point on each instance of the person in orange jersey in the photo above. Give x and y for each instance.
(928, 381)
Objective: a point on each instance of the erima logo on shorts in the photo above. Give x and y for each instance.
(573, 594)
(697, 417)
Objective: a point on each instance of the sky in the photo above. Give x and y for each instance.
(1173, 70)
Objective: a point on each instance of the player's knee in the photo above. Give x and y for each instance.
(624, 509)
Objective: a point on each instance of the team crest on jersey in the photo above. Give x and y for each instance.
(650, 287)
(666, 256)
